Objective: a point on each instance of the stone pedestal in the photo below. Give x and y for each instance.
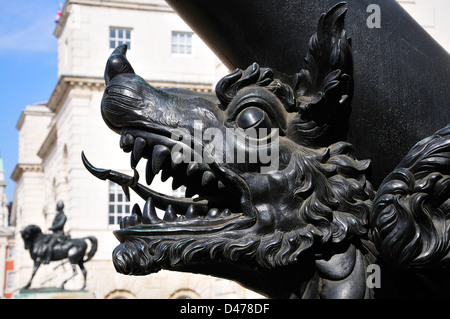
(54, 293)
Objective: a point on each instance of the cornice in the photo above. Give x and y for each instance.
(48, 143)
(197, 87)
(37, 110)
(24, 167)
(69, 82)
(6, 232)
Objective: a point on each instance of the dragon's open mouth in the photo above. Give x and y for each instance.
(216, 198)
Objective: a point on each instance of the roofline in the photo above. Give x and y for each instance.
(36, 109)
(132, 5)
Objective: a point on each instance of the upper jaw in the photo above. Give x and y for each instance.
(129, 101)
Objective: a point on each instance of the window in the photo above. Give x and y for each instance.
(119, 205)
(11, 251)
(118, 36)
(182, 43)
(10, 279)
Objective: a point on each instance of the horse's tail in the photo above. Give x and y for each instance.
(94, 245)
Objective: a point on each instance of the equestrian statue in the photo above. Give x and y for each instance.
(57, 246)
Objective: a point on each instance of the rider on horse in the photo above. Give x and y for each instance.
(58, 231)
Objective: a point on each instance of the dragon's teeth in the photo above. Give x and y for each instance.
(191, 168)
(207, 178)
(213, 213)
(128, 140)
(138, 148)
(177, 159)
(149, 175)
(191, 213)
(226, 212)
(126, 191)
(136, 214)
(170, 215)
(149, 215)
(136, 210)
(166, 174)
(124, 222)
(122, 141)
(159, 156)
(133, 162)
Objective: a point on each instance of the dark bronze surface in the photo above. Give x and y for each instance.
(401, 74)
(308, 222)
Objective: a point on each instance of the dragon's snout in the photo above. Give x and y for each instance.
(119, 101)
(127, 96)
(130, 101)
(117, 64)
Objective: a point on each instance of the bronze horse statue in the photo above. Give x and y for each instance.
(73, 249)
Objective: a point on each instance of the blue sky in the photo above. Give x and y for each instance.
(28, 64)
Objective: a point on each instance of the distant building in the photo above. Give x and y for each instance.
(4, 212)
(164, 51)
(6, 239)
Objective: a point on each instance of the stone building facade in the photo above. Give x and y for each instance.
(6, 236)
(164, 51)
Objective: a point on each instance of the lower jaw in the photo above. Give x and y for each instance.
(142, 252)
(142, 256)
(187, 228)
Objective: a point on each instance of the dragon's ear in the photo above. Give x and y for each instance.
(324, 90)
(329, 60)
(229, 85)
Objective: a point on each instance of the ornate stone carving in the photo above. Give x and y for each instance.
(296, 215)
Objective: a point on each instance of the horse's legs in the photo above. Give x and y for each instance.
(83, 270)
(35, 268)
(74, 273)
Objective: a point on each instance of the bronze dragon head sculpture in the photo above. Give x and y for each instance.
(275, 198)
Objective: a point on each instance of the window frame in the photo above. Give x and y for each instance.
(118, 205)
(120, 40)
(187, 46)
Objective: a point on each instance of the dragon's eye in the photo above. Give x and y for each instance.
(253, 117)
